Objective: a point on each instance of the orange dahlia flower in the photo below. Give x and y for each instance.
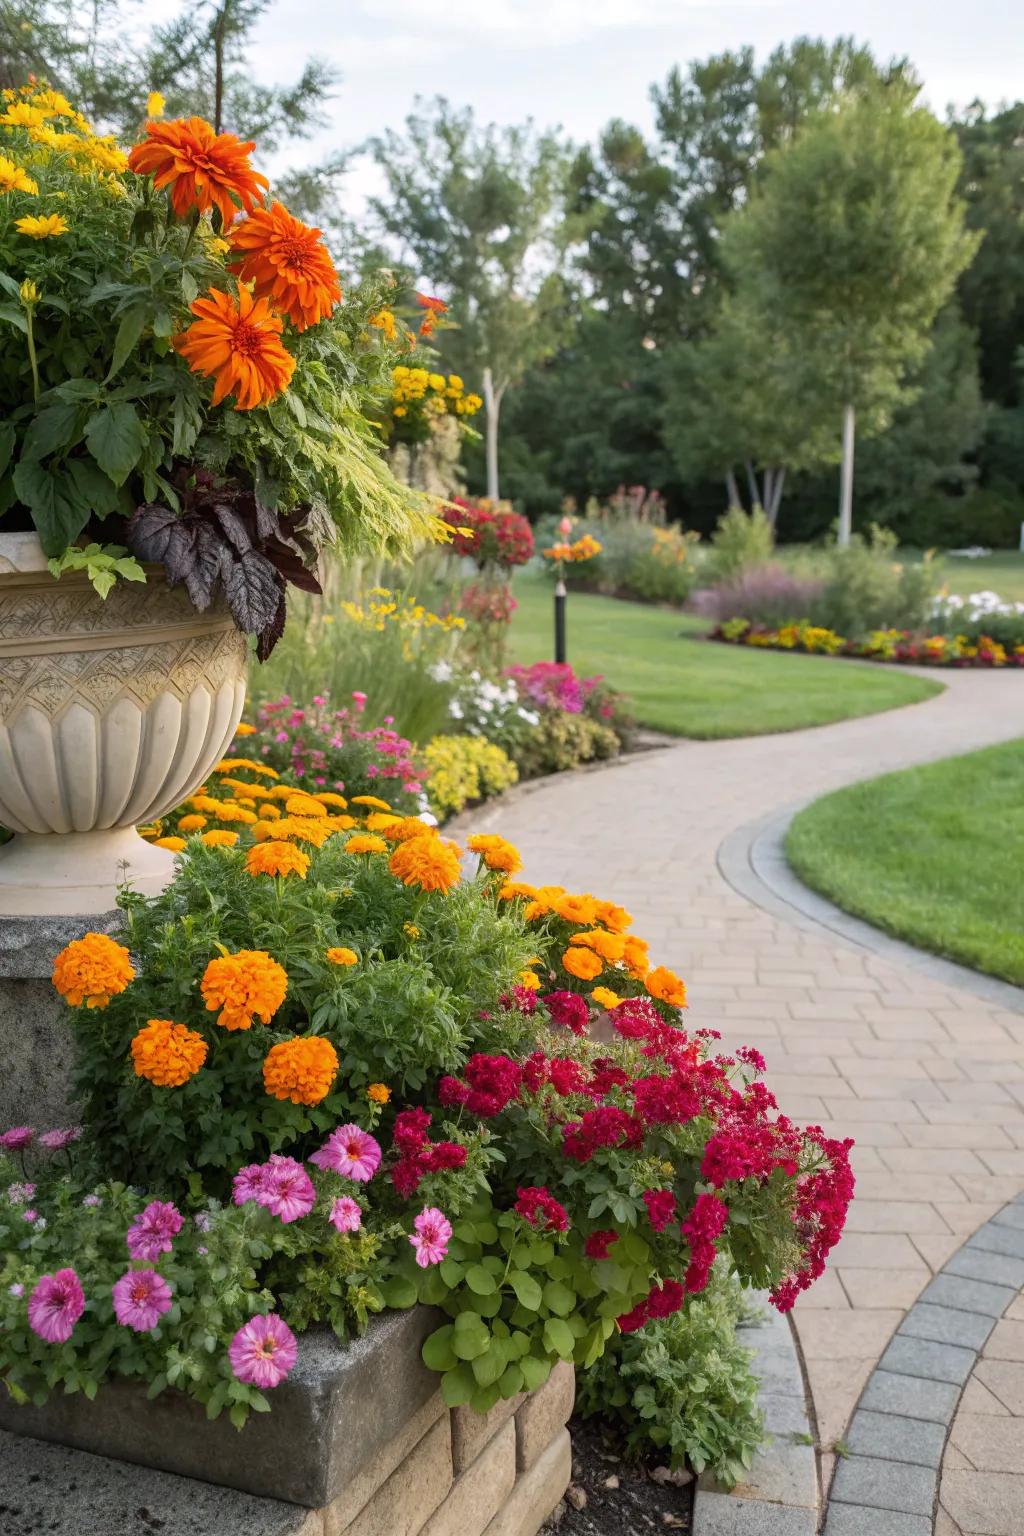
(167, 1054)
(378, 1093)
(432, 863)
(238, 344)
(203, 169)
(288, 263)
(277, 858)
(247, 984)
(92, 970)
(302, 1070)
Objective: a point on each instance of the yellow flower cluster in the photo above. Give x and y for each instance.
(381, 607)
(53, 130)
(433, 394)
(584, 548)
(461, 769)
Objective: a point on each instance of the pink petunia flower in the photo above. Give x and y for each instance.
(346, 1215)
(17, 1138)
(263, 1352)
(287, 1189)
(432, 1235)
(151, 1234)
(248, 1183)
(141, 1297)
(350, 1151)
(55, 1306)
(56, 1141)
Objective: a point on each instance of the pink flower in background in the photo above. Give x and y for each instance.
(16, 1139)
(56, 1141)
(346, 1215)
(350, 1151)
(287, 1189)
(263, 1352)
(359, 700)
(432, 1236)
(141, 1297)
(30, 1216)
(248, 1183)
(17, 1194)
(55, 1306)
(151, 1234)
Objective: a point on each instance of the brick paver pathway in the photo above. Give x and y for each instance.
(928, 1078)
(982, 1487)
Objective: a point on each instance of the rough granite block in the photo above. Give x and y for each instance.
(968, 1295)
(910, 1396)
(908, 1356)
(411, 1494)
(480, 1491)
(851, 1520)
(471, 1431)
(879, 1484)
(52, 1489)
(320, 1435)
(993, 1239)
(996, 1268)
(535, 1493)
(946, 1325)
(719, 1514)
(543, 1414)
(896, 1438)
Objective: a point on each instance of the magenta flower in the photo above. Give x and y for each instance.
(30, 1216)
(433, 1232)
(346, 1215)
(351, 1152)
(56, 1141)
(55, 1306)
(263, 1351)
(287, 1189)
(151, 1233)
(16, 1139)
(141, 1297)
(248, 1183)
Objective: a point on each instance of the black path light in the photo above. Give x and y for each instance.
(562, 554)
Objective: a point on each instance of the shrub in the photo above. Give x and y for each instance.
(464, 769)
(560, 742)
(867, 588)
(682, 1391)
(580, 718)
(740, 541)
(762, 594)
(638, 559)
(493, 536)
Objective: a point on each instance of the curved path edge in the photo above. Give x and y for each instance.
(753, 861)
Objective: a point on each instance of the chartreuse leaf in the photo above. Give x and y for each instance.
(489, 1366)
(535, 1372)
(558, 1298)
(480, 1281)
(398, 1292)
(558, 1337)
(484, 1398)
(470, 1336)
(528, 1291)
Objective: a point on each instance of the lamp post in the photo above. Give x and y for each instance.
(560, 554)
(560, 597)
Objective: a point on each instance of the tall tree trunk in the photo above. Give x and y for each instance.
(778, 483)
(846, 480)
(492, 403)
(732, 490)
(755, 494)
(768, 482)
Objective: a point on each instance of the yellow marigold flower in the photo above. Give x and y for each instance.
(610, 946)
(497, 852)
(411, 929)
(281, 792)
(582, 963)
(29, 293)
(605, 997)
(302, 1070)
(243, 728)
(308, 829)
(229, 764)
(220, 837)
(42, 228)
(575, 909)
(666, 986)
(22, 115)
(530, 980)
(270, 812)
(342, 956)
(246, 985)
(229, 811)
(432, 863)
(189, 824)
(275, 858)
(409, 826)
(511, 889)
(201, 801)
(264, 829)
(155, 104)
(372, 801)
(378, 1093)
(167, 1054)
(613, 917)
(299, 804)
(239, 787)
(382, 821)
(366, 843)
(384, 321)
(329, 798)
(173, 844)
(247, 801)
(14, 179)
(342, 823)
(92, 970)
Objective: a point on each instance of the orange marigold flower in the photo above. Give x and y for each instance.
(238, 343)
(613, 917)
(308, 829)
(277, 859)
(575, 909)
(229, 764)
(246, 985)
(189, 824)
(666, 986)
(243, 728)
(634, 953)
(299, 804)
(605, 997)
(229, 811)
(172, 844)
(610, 946)
(496, 852)
(408, 826)
(167, 1054)
(530, 980)
(203, 169)
(341, 823)
(92, 970)
(220, 837)
(340, 955)
(288, 264)
(378, 1093)
(302, 1070)
(365, 842)
(328, 797)
(582, 963)
(432, 863)
(382, 821)
(435, 306)
(513, 888)
(372, 801)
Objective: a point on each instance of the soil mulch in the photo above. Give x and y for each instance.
(612, 1497)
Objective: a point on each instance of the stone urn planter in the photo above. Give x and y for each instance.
(111, 711)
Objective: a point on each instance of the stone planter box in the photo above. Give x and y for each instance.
(359, 1436)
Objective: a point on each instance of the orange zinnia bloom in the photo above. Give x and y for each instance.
(240, 345)
(203, 169)
(288, 263)
(426, 301)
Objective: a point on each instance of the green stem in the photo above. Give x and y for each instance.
(33, 362)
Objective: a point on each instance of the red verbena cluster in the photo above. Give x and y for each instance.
(569, 1010)
(489, 535)
(417, 1155)
(539, 1207)
(491, 1083)
(823, 1198)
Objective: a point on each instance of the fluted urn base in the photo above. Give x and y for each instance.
(52, 874)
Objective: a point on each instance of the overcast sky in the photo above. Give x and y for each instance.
(576, 63)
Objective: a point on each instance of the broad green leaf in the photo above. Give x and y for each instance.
(116, 439)
(57, 511)
(558, 1337)
(510, 1381)
(558, 1298)
(133, 323)
(437, 1350)
(484, 1398)
(528, 1291)
(489, 1366)
(458, 1386)
(535, 1372)
(398, 1292)
(480, 1281)
(470, 1336)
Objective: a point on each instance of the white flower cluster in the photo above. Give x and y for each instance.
(975, 606)
(482, 706)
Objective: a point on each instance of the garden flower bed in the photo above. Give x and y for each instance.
(891, 645)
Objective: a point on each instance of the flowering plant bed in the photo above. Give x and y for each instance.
(317, 1084)
(895, 645)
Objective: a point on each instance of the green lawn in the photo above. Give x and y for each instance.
(1002, 572)
(933, 855)
(689, 687)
